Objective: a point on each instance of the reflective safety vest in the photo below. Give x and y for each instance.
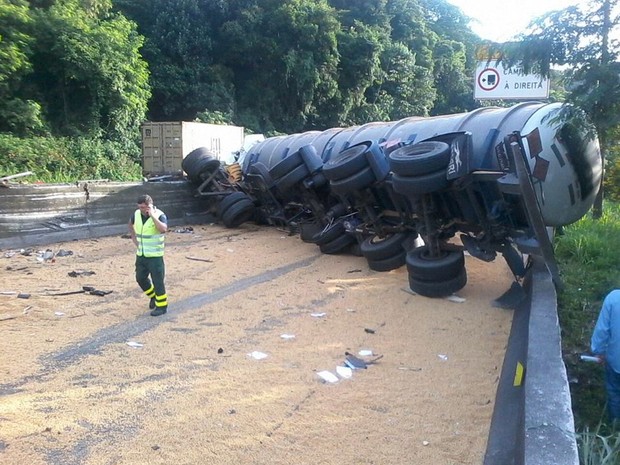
(150, 240)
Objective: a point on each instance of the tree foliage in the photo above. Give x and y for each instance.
(580, 40)
(290, 65)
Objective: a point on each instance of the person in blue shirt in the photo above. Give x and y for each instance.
(605, 344)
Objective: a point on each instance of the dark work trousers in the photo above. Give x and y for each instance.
(152, 268)
(612, 383)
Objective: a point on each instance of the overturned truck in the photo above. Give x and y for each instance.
(419, 191)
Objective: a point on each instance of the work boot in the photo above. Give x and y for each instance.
(159, 311)
(152, 303)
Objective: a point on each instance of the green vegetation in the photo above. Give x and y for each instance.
(588, 253)
(55, 159)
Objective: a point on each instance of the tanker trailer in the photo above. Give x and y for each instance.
(500, 178)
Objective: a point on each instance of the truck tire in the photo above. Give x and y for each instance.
(330, 233)
(198, 164)
(337, 245)
(229, 200)
(418, 185)
(286, 165)
(378, 248)
(438, 288)
(358, 181)
(238, 213)
(419, 159)
(347, 162)
(293, 177)
(388, 264)
(422, 267)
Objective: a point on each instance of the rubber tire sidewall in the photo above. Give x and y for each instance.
(434, 269)
(438, 288)
(419, 159)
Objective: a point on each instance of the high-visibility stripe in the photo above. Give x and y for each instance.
(150, 240)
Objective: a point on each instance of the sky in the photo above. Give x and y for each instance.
(500, 20)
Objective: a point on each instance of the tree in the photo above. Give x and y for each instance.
(580, 41)
(84, 71)
(180, 39)
(18, 114)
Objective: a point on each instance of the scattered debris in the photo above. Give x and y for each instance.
(7, 317)
(75, 274)
(23, 296)
(64, 253)
(318, 315)
(199, 259)
(187, 230)
(256, 355)
(328, 376)
(443, 357)
(134, 344)
(4, 179)
(354, 271)
(456, 299)
(365, 353)
(354, 363)
(220, 351)
(410, 368)
(287, 336)
(46, 256)
(370, 331)
(85, 289)
(344, 372)
(59, 313)
(425, 443)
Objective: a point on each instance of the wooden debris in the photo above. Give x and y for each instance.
(199, 259)
(13, 176)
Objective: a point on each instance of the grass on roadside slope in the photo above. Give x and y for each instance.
(588, 253)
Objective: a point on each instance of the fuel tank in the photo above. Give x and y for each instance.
(564, 161)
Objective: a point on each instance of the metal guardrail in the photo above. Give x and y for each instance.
(532, 421)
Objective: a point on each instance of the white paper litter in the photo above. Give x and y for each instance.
(442, 356)
(287, 336)
(328, 376)
(344, 372)
(318, 315)
(256, 355)
(456, 299)
(365, 353)
(58, 313)
(134, 344)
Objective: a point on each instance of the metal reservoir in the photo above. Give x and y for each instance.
(564, 164)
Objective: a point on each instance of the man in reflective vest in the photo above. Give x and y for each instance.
(147, 227)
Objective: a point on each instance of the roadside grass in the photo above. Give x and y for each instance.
(588, 254)
(599, 448)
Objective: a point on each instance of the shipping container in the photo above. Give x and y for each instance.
(165, 144)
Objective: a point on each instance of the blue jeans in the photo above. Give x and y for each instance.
(612, 384)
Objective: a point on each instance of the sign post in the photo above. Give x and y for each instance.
(493, 81)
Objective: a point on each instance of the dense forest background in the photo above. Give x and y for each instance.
(78, 77)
